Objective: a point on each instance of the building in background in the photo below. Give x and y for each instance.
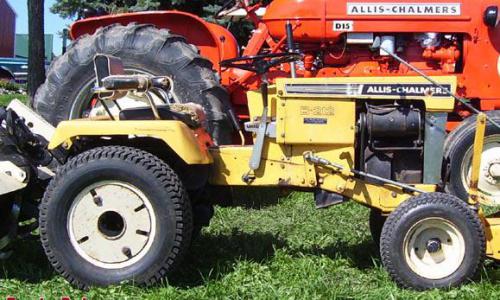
(14, 47)
(21, 49)
(7, 29)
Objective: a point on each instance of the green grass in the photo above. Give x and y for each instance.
(285, 251)
(5, 99)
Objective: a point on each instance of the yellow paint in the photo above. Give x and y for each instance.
(492, 223)
(231, 164)
(318, 121)
(332, 139)
(285, 166)
(441, 104)
(184, 141)
(492, 233)
(476, 158)
(321, 124)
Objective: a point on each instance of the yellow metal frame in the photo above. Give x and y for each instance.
(491, 223)
(474, 193)
(190, 145)
(283, 162)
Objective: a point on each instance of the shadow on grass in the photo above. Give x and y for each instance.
(27, 263)
(211, 257)
(214, 256)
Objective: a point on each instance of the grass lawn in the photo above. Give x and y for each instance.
(5, 99)
(286, 251)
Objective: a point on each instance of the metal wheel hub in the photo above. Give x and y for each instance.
(111, 224)
(433, 245)
(434, 248)
(489, 181)
(493, 171)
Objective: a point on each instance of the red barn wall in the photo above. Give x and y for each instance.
(7, 29)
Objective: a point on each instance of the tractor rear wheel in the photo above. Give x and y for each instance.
(458, 155)
(144, 49)
(115, 214)
(432, 240)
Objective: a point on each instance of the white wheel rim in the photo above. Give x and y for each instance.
(428, 260)
(111, 224)
(489, 182)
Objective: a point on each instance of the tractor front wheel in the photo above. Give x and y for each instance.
(432, 241)
(115, 214)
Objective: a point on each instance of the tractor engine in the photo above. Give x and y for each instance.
(432, 52)
(391, 140)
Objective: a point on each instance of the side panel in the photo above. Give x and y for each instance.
(190, 145)
(316, 121)
(372, 88)
(492, 232)
(214, 42)
(284, 166)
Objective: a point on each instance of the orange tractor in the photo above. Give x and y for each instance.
(458, 38)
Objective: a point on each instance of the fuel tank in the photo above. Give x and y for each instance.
(327, 20)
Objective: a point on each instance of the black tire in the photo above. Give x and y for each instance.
(420, 209)
(169, 204)
(458, 143)
(142, 48)
(376, 223)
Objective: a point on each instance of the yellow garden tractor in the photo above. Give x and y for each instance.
(125, 191)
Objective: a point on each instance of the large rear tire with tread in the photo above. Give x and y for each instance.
(432, 240)
(115, 214)
(67, 92)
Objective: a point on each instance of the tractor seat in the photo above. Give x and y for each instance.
(190, 114)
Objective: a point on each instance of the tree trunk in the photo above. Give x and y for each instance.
(36, 60)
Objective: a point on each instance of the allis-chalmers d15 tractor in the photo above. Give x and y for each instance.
(386, 103)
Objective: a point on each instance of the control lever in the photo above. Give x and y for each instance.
(260, 64)
(261, 132)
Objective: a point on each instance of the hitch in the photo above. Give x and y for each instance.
(23, 147)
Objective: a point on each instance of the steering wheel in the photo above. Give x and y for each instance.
(260, 64)
(227, 5)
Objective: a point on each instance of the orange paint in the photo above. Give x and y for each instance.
(472, 54)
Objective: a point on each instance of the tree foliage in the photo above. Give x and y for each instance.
(74, 8)
(205, 9)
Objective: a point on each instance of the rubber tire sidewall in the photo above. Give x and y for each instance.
(458, 143)
(96, 171)
(394, 243)
(142, 48)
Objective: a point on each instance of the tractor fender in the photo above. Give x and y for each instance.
(214, 42)
(190, 145)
